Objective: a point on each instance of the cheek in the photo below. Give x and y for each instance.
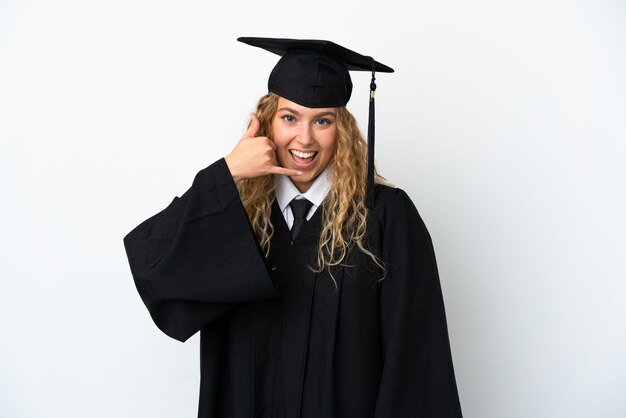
(330, 142)
(280, 136)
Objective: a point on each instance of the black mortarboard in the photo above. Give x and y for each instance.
(314, 73)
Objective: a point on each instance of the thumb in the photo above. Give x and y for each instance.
(253, 128)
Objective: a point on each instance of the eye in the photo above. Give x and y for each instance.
(288, 118)
(323, 122)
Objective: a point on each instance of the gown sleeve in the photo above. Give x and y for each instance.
(418, 377)
(198, 258)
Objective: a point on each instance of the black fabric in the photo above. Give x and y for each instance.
(300, 208)
(279, 340)
(313, 73)
(311, 79)
(353, 61)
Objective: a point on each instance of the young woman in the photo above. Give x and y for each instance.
(310, 301)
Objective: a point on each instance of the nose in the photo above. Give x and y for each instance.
(305, 136)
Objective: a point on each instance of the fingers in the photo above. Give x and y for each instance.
(255, 156)
(284, 171)
(253, 128)
(271, 144)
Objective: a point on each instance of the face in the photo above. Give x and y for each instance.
(305, 139)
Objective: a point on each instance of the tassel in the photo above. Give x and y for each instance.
(369, 196)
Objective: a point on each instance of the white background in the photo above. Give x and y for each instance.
(505, 122)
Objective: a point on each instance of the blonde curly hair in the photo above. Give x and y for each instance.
(344, 214)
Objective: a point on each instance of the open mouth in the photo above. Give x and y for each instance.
(301, 158)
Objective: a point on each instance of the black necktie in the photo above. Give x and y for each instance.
(299, 208)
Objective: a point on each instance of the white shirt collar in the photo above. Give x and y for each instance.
(286, 191)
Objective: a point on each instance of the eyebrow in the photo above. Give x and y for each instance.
(295, 112)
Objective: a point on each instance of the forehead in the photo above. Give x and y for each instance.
(288, 105)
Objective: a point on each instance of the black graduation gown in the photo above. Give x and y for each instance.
(277, 339)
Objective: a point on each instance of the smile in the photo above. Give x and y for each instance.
(303, 154)
(303, 160)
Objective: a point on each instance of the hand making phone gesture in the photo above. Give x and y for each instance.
(255, 156)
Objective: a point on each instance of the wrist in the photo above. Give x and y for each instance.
(232, 168)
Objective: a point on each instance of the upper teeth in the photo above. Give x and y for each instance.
(302, 154)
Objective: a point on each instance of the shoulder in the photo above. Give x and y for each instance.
(394, 210)
(391, 199)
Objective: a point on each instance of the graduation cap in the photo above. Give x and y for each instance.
(315, 73)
